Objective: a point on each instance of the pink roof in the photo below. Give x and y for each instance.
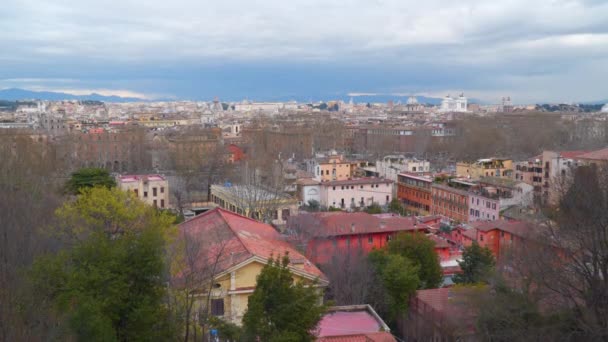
(368, 337)
(595, 155)
(350, 320)
(242, 238)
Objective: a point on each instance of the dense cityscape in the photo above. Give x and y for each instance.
(346, 171)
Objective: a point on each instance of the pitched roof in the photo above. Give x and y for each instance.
(595, 155)
(518, 228)
(238, 238)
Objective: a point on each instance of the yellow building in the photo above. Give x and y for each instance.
(490, 167)
(332, 168)
(242, 247)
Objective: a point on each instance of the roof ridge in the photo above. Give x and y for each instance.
(221, 212)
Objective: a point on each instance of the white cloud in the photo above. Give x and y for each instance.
(503, 40)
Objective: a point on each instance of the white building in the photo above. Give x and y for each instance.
(348, 194)
(392, 165)
(454, 104)
(605, 108)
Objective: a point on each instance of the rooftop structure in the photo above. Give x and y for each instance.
(353, 323)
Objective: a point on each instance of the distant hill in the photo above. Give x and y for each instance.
(14, 94)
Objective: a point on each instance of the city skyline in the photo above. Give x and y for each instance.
(550, 51)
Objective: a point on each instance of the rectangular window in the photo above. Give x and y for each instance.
(389, 238)
(154, 192)
(162, 203)
(145, 194)
(154, 203)
(370, 239)
(217, 307)
(162, 189)
(136, 191)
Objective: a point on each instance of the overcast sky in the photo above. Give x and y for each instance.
(532, 50)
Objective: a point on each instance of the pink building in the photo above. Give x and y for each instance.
(483, 208)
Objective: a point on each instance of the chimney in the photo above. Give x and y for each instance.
(382, 224)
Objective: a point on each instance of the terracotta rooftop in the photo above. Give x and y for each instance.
(340, 223)
(595, 155)
(242, 238)
(518, 228)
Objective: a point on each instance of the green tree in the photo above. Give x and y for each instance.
(89, 178)
(374, 209)
(399, 279)
(476, 265)
(110, 284)
(396, 207)
(281, 309)
(420, 250)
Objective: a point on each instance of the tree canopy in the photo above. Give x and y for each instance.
(89, 178)
(399, 278)
(420, 250)
(110, 284)
(476, 265)
(281, 309)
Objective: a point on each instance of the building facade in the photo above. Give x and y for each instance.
(356, 193)
(489, 167)
(414, 191)
(450, 202)
(152, 189)
(255, 202)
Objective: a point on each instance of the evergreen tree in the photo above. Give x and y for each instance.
(476, 265)
(420, 250)
(399, 279)
(281, 309)
(110, 284)
(89, 178)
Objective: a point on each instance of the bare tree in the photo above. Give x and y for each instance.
(198, 257)
(29, 195)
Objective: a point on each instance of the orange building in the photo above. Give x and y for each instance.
(497, 236)
(450, 202)
(414, 191)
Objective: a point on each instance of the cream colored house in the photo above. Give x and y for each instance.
(243, 246)
(152, 189)
(489, 167)
(272, 206)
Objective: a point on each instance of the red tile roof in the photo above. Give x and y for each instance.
(340, 223)
(241, 238)
(436, 299)
(594, 155)
(518, 228)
